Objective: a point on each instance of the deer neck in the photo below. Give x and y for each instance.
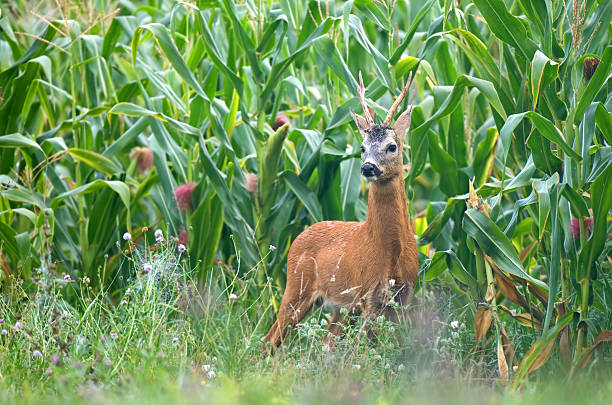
(388, 221)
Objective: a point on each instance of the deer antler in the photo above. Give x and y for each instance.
(361, 94)
(397, 101)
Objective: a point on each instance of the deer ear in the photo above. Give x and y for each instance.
(361, 122)
(402, 124)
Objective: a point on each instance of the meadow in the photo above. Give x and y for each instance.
(158, 157)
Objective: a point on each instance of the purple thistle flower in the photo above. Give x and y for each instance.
(182, 194)
(37, 353)
(18, 325)
(1, 321)
(108, 363)
(49, 371)
(55, 359)
(575, 227)
(4, 332)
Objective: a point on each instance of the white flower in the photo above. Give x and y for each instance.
(514, 368)
(454, 324)
(211, 374)
(391, 283)
(127, 236)
(233, 297)
(401, 367)
(159, 234)
(357, 366)
(206, 368)
(272, 248)
(181, 248)
(147, 268)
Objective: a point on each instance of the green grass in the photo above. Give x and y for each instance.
(163, 339)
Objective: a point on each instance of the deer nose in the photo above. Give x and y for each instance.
(370, 170)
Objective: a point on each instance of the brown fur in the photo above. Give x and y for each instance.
(349, 264)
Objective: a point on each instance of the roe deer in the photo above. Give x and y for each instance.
(353, 264)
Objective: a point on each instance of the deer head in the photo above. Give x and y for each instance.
(381, 149)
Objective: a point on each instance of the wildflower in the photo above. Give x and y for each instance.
(401, 367)
(37, 353)
(18, 325)
(183, 236)
(233, 297)
(49, 371)
(114, 335)
(211, 374)
(279, 121)
(357, 366)
(55, 359)
(454, 324)
(4, 332)
(102, 338)
(108, 363)
(175, 340)
(391, 283)
(589, 67)
(144, 157)
(587, 223)
(272, 248)
(183, 195)
(206, 368)
(159, 235)
(127, 236)
(1, 321)
(146, 268)
(67, 277)
(181, 248)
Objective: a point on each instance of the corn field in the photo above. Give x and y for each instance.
(226, 124)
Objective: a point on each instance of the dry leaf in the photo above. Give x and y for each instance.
(502, 364)
(542, 358)
(565, 344)
(604, 336)
(523, 319)
(482, 323)
(508, 348)
(490, 293)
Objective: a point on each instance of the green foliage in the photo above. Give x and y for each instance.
(500, 97)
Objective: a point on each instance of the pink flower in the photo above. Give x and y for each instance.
(575, 227)
(280, 120)
(144, 157)
(183, 195)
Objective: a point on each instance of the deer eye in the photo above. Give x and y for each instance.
(392, 148)
(362, 149)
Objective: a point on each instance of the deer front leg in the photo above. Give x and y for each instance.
(374, 305)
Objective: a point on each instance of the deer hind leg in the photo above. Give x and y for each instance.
(300, 294)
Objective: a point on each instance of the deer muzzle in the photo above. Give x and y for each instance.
(370, 170)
